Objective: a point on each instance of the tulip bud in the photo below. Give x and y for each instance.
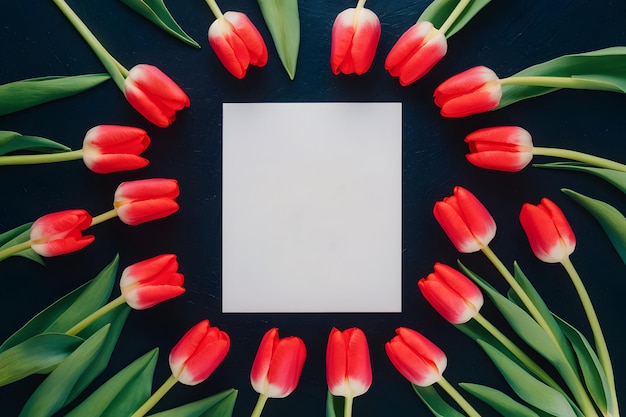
(503, 148)
(60, 233)
(142, 201)
(473, 91)
(348, 366)
(355, 36)
(109, 148)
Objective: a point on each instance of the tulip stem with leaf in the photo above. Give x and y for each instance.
(260, 404)
(155, 397)
(454, 15)
(214, 8)
(580, 157)
(458, 398)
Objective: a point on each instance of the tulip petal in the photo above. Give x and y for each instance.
(146, 210)
(455, 228)
(149, 296)
(250, 36)
(147, 189)
(342, 33)
(286, 367)
(262, 360)
(229, 48)
(62, 246)
(359, 371)
(106, 164)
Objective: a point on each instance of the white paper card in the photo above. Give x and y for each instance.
(312, 207)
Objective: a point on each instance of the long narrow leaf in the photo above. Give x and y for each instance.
(612, 221)
(20, 95)
(439, 10)
(437, 405)
(499, 401)
(218, 405)
(156, 12)
(13, 141)
(283, 21)
(334, 405)
(16, 236)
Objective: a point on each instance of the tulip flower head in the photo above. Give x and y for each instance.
(277, 365)
(108, 148)
(355, 36)
(154, 94)
(348, 366)
(417, 51)
(452, 294)
(60, 233)
(473, 91)
(236, 42)
(149, 282)
(198, 353)
(465, 220)
(502, 148)
(549, 233)
(415, 357)
(142, 201)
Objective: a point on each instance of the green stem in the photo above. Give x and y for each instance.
(12, 250)
(104, 217)
(258, 408)
(40, 158)
(517, 352)
(154, 398)
(347, 406)
(361, 4)
(458, 9)
(456, 396)
(87, 321)
(214, 8)
(580, 157)
(594, 323)
(559, 82)
(114, 68)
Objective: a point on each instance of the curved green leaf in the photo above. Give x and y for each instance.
(439, 10)
(283, 21)
(37, 355)
(437, 405)
(13, 141)
(604, 68)
(613, 177)
(612, 221)
(16, 236)
(157, 13)
(124, 393)
(218, 405)
(334, 405)
(20, 95)
(530, 389)
(498, 400)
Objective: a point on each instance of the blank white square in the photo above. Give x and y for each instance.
(312, 207)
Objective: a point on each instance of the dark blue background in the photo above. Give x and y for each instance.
(36, 40)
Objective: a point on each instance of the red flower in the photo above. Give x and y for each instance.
(198, 353)
(142, 201)
(277, 365)
(154, 94)
(109, 148)
(416, 357)
(465, 220)
(549, 233)
(473, 91)
(147, 283)
(237, 43)
(60, 233)
(452, 294)
(417, 51)
(355, 36)
(348, 367)
(503, 148)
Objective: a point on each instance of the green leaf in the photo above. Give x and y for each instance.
(604, 68)
(53, 392)
(20, 95)
(593, 373)
(16, 236)
(70, 309)
(612, 221)
(218, 405)
(13, 141)
(437, 405)
(613, 177)
(124, 393)
(499, 401)
(439, 10)
(283, 21)
(37, 355)
(334, 405)
(157, 13)
(530, 389)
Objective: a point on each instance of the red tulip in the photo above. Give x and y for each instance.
(237, 43)
(503, 148)
(473, 91)
(198, 353)
(147, 283)
(142, 201)
(465, 220)
(417, 51)
(549, 233)
(416, 357)
(355, 36)
(452, 294)
(109, 148)
(60, 233)
(348, 367)
(278, 364)
(154, 94)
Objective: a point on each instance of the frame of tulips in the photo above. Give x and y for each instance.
(129, 335)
